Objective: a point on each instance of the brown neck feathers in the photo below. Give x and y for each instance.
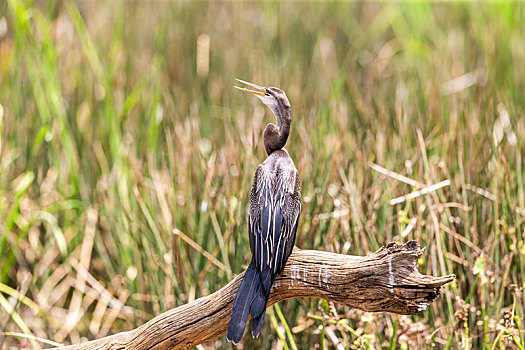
(275, 136)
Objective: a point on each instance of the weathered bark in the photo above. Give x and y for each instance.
(387, 280)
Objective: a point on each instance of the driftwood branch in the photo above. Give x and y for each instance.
(387, 280)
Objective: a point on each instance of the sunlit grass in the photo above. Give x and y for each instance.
(119, 125)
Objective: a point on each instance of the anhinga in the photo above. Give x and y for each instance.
(275, 204)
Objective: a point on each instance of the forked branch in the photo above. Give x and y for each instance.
(387, 280)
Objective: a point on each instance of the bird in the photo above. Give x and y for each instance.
(274, 209)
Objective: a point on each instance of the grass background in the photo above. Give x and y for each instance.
(119, 123)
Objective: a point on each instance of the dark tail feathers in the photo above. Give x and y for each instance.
(260, 300)
(251, 298)
(241, 304)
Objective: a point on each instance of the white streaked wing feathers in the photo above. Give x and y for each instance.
(274, 194)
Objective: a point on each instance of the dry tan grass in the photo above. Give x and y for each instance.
(120, 124)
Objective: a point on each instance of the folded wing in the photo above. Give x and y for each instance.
(275, 205)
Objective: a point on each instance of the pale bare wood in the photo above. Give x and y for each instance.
(387, 280)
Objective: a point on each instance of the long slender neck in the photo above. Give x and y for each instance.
(275, 136)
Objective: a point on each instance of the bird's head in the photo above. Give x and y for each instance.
(275, 136)
(271, 96)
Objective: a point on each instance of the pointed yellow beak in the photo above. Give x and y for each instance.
(251, 85)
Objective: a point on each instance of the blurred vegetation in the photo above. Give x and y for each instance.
(119, 123)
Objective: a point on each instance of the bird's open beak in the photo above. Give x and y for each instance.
(259, 93)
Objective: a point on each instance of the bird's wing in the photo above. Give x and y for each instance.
(275, 204)
(254, 222)
(262, 216)
(291, 211)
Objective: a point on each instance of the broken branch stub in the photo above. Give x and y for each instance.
(387, 280)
